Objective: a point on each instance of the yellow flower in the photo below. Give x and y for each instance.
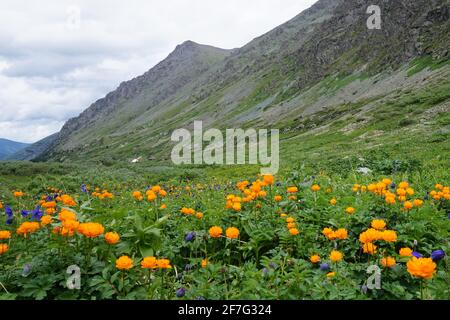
(124, 263)
(149, 263)
(204, 263)
(405, 252)
(294, 231)
(112, 237)
(408, 205)
(341, 234)
(350, 210)
(236, 206)
(315, 258)
(403, 185)
(333, 201)
(5, 235)
(331, 274)
(421, 268)
(335, 256)
(378, 224)
(369, 248)
(290, 220)
(292, 190)
(315, 187)
(388, 262)
(215, 232)
(163, 264)
(389, 236)
(91, 229)
(3, 248)
(232, 233)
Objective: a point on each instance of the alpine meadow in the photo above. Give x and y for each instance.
(312, 163)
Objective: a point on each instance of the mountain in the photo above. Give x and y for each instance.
(8, 147)
(29, 152)
(321, 72)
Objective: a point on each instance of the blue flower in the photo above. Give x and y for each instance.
(49, 198)
(417, 255)
(324, 267)
(26, 269)
(83, 188)
(437, 255)
(25, 213)
(181, 292)
(36, 214)
(9, 215)
(190, 236)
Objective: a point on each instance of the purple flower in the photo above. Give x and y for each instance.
(25, 213)
(9, 215)
(437, 255)
(181, 292)
(26, 269)
(83, 188)
(265, 272)
(36, 214)
(190, 236)
(417, 255)
(49, 198)
(324, 267)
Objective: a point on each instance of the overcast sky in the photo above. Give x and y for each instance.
(57, 57)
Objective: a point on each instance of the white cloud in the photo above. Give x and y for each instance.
(54, 65)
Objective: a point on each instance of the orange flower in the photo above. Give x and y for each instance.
(388, 262)
(163, 206)
(378, 224)
(215, 232)
(408, 205)
(91, 229)
(291, 225)
(1, 205)
(341, 234)
(389, 236)
(294, 231)
(163, 264)
(333, 201)
(112, 237)
(268, 179)
(149, 263)
(151, 196)
(232, 233)
(423, 268)
(331, 275)
(369, 248)
(315, 258)
(67, 215)
(68, 201)
(350, 210)
(27, 227)
(405, 252)
(292, 190)
(124, 263)
(18, 194)
(204, 263)
(3, 248)
(315, 187)
(336, 256)
(236, 206)
(5, 235)
(417, 203)
(278, 198)
(138, 195)
(199, 215)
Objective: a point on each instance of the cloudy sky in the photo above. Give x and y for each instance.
(57, 56)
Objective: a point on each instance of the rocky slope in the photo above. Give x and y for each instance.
(321, 59)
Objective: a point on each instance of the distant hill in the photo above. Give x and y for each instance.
(8, 147)
(29, 152)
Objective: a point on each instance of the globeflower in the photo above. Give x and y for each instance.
(91, 229)
(388, 262)
(292, 190)
(336, 256)
(149, 263)
(112, 237)
(315, 188)
(137, 195)
(333, 201)
(315, 258)
(204, 263)
(124, 263)
(163, 264)
(27, 228)
(232, 233)
(423, 268)
(18, 194)
(350, 210)
(408, 205)
(294, 231)
(406, 252)
(67, 215)
(369, 248)
(68, 200)
(215, 232)
(389, 236)
(278, 198)
(378, 224)
(5, 235)
(3, 248)
(341, 234)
